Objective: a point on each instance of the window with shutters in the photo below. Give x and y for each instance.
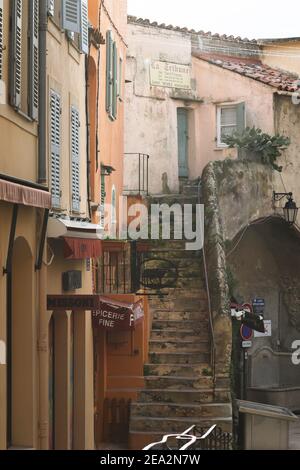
(102, 198)
(230, 119)
(24, 57)
(55, 148)
(75, 159)
(111, 76)
(1, 40)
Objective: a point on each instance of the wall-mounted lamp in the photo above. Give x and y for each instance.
(290, 210)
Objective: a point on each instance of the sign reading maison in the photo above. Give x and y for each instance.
(169, 75)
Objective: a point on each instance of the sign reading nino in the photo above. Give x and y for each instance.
(169, 75)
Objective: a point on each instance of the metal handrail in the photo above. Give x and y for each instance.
(143, 171)
(213, 345)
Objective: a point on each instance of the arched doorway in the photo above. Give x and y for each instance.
(22, 345)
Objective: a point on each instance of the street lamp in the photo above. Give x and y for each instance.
(290, 210)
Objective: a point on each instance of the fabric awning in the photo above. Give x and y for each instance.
(61, 228)
(118, 316)
(19, 194)
(82, 248)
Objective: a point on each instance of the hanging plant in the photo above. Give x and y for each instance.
(255, 142)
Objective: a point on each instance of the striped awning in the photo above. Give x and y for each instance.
(19, 194)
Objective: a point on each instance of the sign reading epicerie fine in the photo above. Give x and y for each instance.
(169, 75)
(114, 315)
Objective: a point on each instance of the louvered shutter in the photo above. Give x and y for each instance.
(1, 38)
(75, 158)
(16, 54)
(51, 5)
(34, 59)
(55, 144)
(115, 81)
(109, 74)
(103, 196)
(71, 15)
(240, 117)
(84, 33)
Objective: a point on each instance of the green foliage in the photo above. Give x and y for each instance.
(268, 148)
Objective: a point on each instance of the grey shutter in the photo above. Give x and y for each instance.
(1, 38)
(16, 54)
(75, 158)
(71, 15)
(115, 81)
(51, 6)
(109, 75)
(34, 59)
(84, 29)
(240, 117)
(55, 145)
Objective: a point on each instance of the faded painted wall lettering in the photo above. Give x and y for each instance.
(169, 75)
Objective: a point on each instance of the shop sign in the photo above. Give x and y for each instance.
(72, 302)
(118, 316)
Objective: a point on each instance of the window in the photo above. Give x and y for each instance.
(111, 76)
(55, 147)
(24, 57)
(75, 158)
(230, 119)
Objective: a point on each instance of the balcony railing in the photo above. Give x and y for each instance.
(136, 173)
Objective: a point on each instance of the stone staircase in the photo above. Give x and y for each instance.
(179, 386)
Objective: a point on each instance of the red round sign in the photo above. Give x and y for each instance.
(246, 333)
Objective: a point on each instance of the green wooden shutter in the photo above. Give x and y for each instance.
(1, 38)
(34, 59)
(84, 27)
(75, 158)
(55, 147)
(109, 75)
(115, 82)
(16, 54)
(71, 15)
(240, 117)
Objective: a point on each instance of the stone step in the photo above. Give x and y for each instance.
(174, 254)
(179, 325)
(181, 370)
(178, 357)
(171, 425)
(183, 346)
(196, 316)
(200, 396)
(177, 382)
(179, 334)
(181, 410)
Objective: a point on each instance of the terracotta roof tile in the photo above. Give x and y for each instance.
(280, 79)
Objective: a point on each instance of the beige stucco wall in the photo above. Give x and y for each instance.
(282, 54)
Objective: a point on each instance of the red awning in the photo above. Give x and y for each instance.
(19, 194)
(118, 316)
(82, 248)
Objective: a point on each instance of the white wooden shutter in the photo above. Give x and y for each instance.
(16, 54)
(71, 15)
(75, 158)
(1, 38)
(34, 59)
(51, 5)
(55, 145)
(84, 28)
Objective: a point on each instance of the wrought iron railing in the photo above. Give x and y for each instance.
(137, 171)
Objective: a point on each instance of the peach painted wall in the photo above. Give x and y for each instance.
(215, 86)
(113, 16)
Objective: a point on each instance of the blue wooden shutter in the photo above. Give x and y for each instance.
(75, 159)
(84, 34)
(34, 59)
(55, 147)
(16, 54)
(109, 74)
(115, 82)
(71, 15)
(1, 38)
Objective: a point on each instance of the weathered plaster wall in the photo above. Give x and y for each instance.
(282, 54)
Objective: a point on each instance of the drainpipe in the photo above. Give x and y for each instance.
(42, 154)
(43, 349)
